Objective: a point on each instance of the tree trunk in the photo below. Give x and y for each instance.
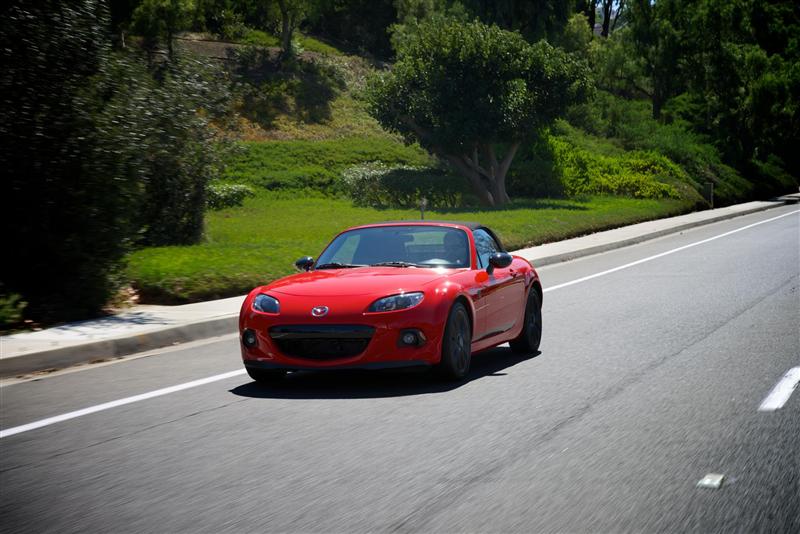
(499, 192)
(286, 28)
(473, 177)
(607, 9)
(658, 100)
(619, 12)
(488, 182)
(591, 13)
(489, 185)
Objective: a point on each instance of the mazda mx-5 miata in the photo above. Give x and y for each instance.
(394, 294)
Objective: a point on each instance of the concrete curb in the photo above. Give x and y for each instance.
(116, 347)
(132, 344)
(567, 256)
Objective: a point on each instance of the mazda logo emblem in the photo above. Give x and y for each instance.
(319, 311)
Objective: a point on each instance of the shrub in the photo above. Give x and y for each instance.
(635, 174)
(628, 125)
(11, 308)
(182, 154)
(70, 147)
(379, 185)
(536, 174)
(100, 153)
(268, 85)
(258, 38)
(771, 178)
(222, 195)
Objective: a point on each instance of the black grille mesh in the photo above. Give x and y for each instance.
(325, 342)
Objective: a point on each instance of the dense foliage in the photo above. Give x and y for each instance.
(467, 91)
(98, 155)
(379, 185)
(107, 149)
(731, 70)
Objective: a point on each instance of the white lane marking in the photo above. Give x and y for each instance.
(165, 391)
(781, 392)
(667, 253)
(79, 368)
(121, 402)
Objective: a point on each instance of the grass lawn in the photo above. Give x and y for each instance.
(259, 242)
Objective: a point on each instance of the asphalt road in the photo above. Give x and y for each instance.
(649, 378)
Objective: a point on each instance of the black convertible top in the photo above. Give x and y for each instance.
(470, 225)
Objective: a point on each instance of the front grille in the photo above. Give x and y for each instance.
(321, 342)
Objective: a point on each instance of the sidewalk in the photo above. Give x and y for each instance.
(145, 328)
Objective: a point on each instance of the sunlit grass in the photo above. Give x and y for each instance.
(317, 164)
(259, 242)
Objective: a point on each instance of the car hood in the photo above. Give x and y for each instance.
(358, 281)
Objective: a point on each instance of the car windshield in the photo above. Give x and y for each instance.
(398, 246)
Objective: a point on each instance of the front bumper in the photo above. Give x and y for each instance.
(356, 342)
(371, 366)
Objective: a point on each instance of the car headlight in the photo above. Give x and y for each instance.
(266, 304)
(396, 302)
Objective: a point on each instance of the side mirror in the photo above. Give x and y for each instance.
(500, 260)
(304, 263)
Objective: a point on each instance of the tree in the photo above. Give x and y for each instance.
(71, 180)
(293, 13)
(534, 19)
(742, 74)
(589, 9)
(412, 13)
(658, 33)
(608, 15)
(468, 92)
(99, 155)
(358, 24)
(162, 19)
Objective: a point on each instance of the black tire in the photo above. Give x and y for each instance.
(457, 344)
(531, 336)
(266, 376)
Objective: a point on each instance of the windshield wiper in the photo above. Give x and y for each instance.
(336, 265)
(393, 264)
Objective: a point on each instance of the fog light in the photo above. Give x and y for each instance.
(411, 338)
(249, 338)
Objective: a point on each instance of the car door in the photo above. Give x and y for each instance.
(504, 288)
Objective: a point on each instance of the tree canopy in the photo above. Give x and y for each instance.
(101, 152)
(471, 93)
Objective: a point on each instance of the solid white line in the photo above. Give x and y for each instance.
(667, 253)
(180, 387)
(781, 392)
(121, 402)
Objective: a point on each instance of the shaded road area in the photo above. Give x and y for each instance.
(649, 378)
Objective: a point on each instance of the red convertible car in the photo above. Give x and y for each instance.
(394, 294)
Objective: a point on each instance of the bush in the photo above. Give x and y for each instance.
(257, 38)
(100, 153)
(379, 185)
(535, 173)
(182, 154)
(635, 174)
(222, 195)
(268, 85)
(771, 178)
(11, 308)
(71, 152)
(628, 125)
